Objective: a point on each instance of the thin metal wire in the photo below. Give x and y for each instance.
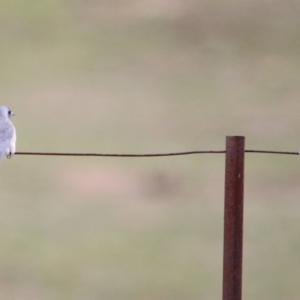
(272, 152)
(118, 155)
(150, 154)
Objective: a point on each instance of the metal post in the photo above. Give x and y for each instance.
(233, 218)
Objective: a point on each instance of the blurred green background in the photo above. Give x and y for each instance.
(147, 76)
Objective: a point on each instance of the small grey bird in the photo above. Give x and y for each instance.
(7, 133)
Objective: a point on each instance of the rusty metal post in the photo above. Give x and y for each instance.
(233, 218)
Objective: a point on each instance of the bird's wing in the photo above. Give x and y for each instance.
(6, 133)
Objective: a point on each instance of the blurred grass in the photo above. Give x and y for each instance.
(137, 76)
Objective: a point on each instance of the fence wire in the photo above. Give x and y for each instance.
(150, 154)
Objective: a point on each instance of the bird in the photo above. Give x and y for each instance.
(7, 133)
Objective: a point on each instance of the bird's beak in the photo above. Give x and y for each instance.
(12, 114)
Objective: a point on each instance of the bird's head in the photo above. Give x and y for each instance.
(5, 112)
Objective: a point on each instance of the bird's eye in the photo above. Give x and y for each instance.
(9, 112)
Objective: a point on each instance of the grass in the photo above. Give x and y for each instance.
(110, 79)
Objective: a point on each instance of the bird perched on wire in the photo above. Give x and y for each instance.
(7, 133)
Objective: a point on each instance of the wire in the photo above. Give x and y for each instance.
(118, 155)
(272, 152)
(150, 154)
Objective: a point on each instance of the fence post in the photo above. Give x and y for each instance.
(233, 218)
